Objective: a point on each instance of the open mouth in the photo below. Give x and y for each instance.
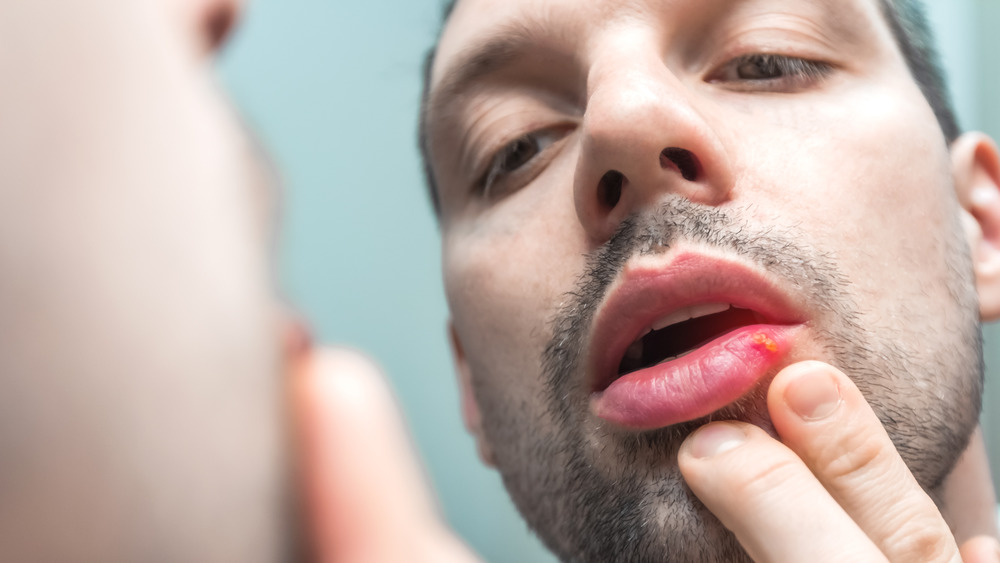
(682, 332)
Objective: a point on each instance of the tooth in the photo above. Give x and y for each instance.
(708, 309)
(681, 355)
(692, 312)
(677, 316)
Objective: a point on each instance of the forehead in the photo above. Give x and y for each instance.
(479, 31)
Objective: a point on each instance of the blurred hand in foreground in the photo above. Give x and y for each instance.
(366, 497)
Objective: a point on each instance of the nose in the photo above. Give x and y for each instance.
(642, 137)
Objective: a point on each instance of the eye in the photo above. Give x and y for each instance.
(771, 72)
(514, 155)
(516, 158)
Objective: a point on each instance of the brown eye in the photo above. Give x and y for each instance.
(513, 164)
(516, 154)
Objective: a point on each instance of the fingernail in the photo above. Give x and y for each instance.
(813, 395)
(715, 439)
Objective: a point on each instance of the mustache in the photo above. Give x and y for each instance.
(779, 250)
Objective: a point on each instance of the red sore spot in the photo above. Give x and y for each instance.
(764, 341)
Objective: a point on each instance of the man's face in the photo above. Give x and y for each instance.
(767, 167)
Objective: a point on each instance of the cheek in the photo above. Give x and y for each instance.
(869, 176)
(506, 275)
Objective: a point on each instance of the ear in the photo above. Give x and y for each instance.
(976, 170)
(470, 407)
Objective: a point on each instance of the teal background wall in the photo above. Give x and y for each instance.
(332, 88)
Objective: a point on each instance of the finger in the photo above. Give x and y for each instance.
(981, 549)
(764, 494)
(821, 415)
(364, 489)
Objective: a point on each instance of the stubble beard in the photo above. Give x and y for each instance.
(637, 507)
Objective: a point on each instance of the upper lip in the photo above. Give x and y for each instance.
(651, 288)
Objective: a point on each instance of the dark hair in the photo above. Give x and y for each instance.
(432, 188)
(907, 19)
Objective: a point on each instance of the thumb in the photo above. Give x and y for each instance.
(364, 492)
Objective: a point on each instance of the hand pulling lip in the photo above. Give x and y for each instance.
(649, 289)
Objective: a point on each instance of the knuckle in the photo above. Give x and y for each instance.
(762, 480)
(925, 545)
(845, 460)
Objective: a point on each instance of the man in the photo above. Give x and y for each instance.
(713, 272)
(138, 411)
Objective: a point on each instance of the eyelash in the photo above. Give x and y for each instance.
(504, 163)
(780, 73)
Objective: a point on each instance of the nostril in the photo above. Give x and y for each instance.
(609, 189)
(218, 24)
(685, 161)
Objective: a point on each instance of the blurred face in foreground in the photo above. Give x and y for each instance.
(139, 396)
(649, 208)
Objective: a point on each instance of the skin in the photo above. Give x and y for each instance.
(377, 507)
(607, 87)
(93, 438)
(122, 331)
(153, 388)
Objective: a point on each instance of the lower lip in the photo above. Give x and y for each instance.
(695, 385)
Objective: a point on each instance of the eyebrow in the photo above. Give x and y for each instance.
(498, 51)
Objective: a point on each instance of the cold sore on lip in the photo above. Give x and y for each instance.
(695, 385)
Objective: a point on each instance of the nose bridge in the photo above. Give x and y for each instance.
(631, 101)
(642, 136)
